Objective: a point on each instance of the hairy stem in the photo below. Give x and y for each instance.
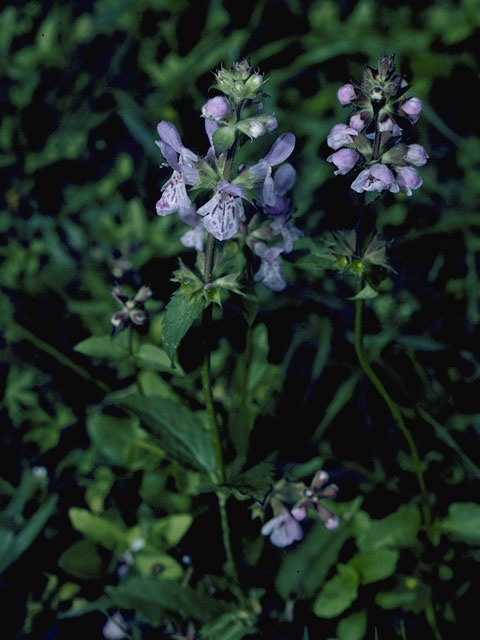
(207, 392)
(231, 567)
(394, 410)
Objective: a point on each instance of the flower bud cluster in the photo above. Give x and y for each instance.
(239, 82)
(373, 139)
(345, 254)
(291, 503)
(234, 199)
(132, 311)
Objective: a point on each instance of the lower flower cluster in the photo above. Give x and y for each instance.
(284, 528)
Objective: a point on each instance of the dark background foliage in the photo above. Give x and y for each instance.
(82, 88)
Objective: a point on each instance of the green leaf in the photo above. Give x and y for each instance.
(223, 139)
(306, 567)
(367, 293)
(151, 596)
(180, 314)
(148, 561)
(82, 560)
(256, 482)
(343, 394)
(154, 358)
(229, 626)
(98, 529)
(122, 441)
(180, 432)
(375, 565)
(462, 522)
(171, 529)
(337, 594)
(107, 347)
(399, 529)
(353, 627)
(13, 546)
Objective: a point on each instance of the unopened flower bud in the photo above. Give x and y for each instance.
(385, 123)
(357, 267)
(217, 108)
(256, 80)
(411, 108)
(344, 160)
(256, 129)
(241, 69)
(359, 120)
(416, 155)
(386, 66)
(271, 124)
(408, 179)
(346, 94)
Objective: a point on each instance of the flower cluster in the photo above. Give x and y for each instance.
(250, 201)
(373, 138)
(284, 527)
(132, 310)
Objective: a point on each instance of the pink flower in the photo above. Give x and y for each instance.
(416, 155)
(340, 136)
(411, 108)
(283, 529)
(346, 94)
(408, 179)
(344, 160)
(376, 178)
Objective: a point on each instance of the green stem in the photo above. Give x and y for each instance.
(231, 567)
(58, 355)
(397, 416)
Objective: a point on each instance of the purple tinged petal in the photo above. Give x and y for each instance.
(329, 519)
(299, 513)
(119, 318)
(284, 179)
(344, 159)
(412, 108)
(416, 155)
(268, 191)
(137, 316)
(222, 215)
(281, 149)
(193, 238)
(270, 272)
(346, 94)
(319, 480)
(232, 189)
(210, 127)
(340, 136)
(408, 179)
(216, 108)
(174, 197)
(143, 294)
(283, 530)
(169, 134)
(376, 178)
(169, 154)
